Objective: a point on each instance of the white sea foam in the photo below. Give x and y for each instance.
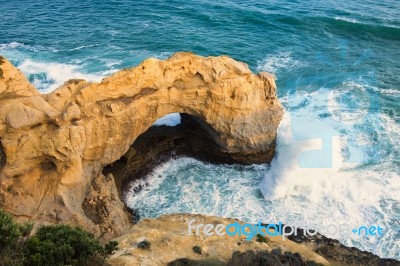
(275, 63)
(360, 187)
(171, 120)
(82, 47)
(163, 55)
(49, 76)
(18, 45)
(352, 20)
(391, 91)
(341, 182)
(359, 192)
(11, 45)
(383, 23)
(190, 186)
(111, 63)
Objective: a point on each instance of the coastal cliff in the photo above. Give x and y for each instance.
(54, 147)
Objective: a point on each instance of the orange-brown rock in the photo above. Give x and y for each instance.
(169, 240)
(54, 147)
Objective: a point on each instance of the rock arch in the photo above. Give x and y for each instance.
(191, 137)
(58, 144)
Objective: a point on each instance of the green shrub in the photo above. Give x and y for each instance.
(65, 245)
(12, 238)
(110, 247)
(262, 239)
(203, 262)
(51, 245)
(9, 231)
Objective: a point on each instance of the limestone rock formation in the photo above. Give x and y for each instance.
(169, 240)
(54, 147)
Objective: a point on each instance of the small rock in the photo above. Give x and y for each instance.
(198, 250)
(144, 244)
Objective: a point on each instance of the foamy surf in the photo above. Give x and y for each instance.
(21, 46)
(356, 185)
(170, 120)
(351, 189)
(278, 62)
(49, 76)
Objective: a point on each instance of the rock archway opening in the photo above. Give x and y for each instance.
(172, 136)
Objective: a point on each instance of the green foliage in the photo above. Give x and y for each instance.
(65, 245)
(51, 245)
(26, 228)
(12, 238)
(262, 239)
(9, 231)
(203, 262)
(110, 247)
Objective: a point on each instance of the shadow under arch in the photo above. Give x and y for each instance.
(192, 137)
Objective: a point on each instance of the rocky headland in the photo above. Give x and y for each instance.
(55, 147)
(67, 156)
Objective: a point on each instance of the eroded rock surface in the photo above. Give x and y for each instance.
(168, 240)
(168, 243)
(57, 145)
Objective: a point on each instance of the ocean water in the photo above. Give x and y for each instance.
(338, 70)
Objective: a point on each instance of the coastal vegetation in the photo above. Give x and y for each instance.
(49, 245)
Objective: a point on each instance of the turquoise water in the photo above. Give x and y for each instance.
(338, 70)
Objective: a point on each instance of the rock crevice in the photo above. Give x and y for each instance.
(2, 157)
(57, 144)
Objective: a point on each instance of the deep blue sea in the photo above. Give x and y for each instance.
(338, 74)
